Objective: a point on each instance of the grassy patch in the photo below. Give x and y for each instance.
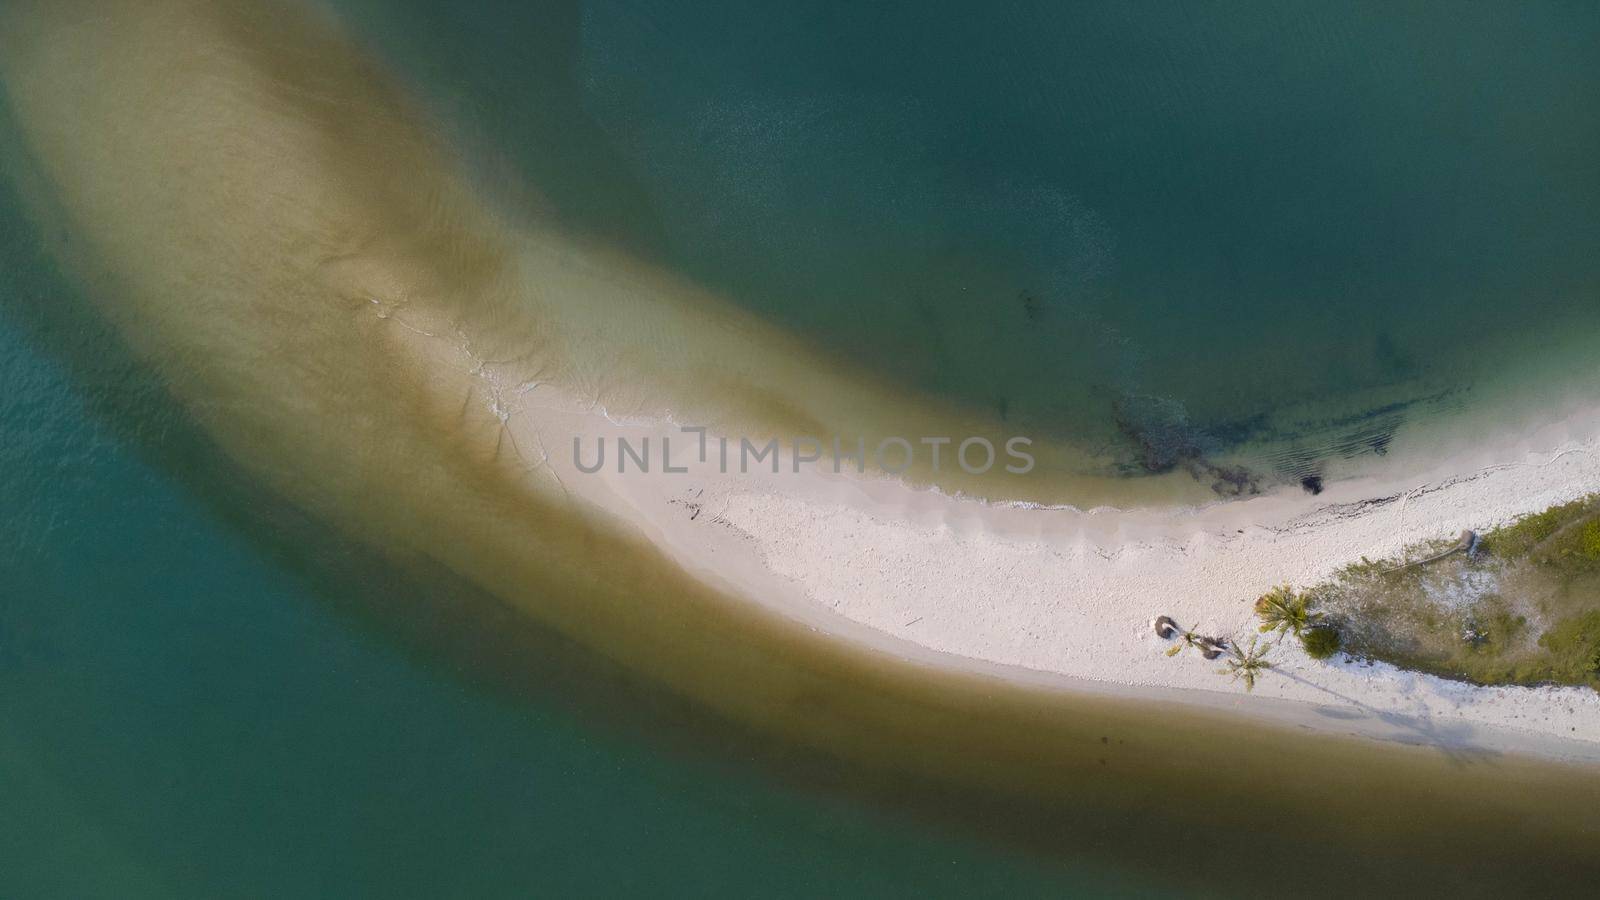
(1574, 647)
(1524, 610)
(1576, 547)
(1523, 537)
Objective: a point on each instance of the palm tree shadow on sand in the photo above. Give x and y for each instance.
(1453, 741)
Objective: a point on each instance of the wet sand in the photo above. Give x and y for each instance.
(263, 218)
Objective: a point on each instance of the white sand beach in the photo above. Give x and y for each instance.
(1065, 597)
(373, 374)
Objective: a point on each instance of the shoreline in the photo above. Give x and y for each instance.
(1062, 598)
(374, 344)
(437, 345)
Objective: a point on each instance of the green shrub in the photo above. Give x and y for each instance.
(1588, 542)
(1322, 641)
(1578, 547)
(1521, 536)
(1493, 629)
(1574, 642)
(1470, 617)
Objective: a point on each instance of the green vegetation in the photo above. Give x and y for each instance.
(1524, 610)
(1577, 546)
(1285, 611)
(1246, 663)
(1208, 647)
(1322, 641)
(1522, 537)
(1574, 645)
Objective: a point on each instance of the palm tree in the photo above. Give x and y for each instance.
(1285, 611)
(1245, 663)
(1209, 647)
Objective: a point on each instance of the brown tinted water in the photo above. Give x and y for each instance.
(210, 255)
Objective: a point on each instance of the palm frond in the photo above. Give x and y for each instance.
(1286, 611)
(1246, 663)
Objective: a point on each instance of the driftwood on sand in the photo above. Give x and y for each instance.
(1467, 541)
(1166, 628)
(1209, 647)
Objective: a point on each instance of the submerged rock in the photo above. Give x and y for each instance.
(1161, 429)
(1166, 440)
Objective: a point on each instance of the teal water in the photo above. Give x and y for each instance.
(1264, 225)
(191, 709)
(1280, 231)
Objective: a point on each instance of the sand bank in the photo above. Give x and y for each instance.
(253, 205)
(519, 348)
(1064, 597)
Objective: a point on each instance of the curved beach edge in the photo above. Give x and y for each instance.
(254, 208)
(1063, 598)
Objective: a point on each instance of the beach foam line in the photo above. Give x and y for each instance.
(255, 207)
(1063, 596)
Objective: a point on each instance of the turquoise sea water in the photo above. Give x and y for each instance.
(1281, 229)
(1270, 225)
(191, 707)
